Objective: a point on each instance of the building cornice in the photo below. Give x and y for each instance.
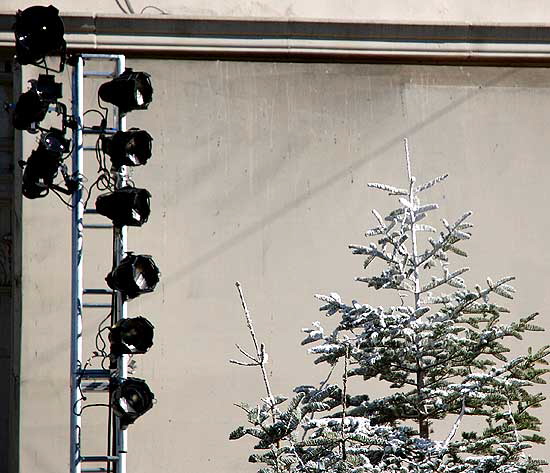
(293, 39)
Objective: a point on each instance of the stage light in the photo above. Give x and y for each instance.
(43, 165)
(39, 33)
(32, 106)
(131, 336)
(128, 148)
(135, 275)
(130, 399)
(40, 171)
(129, 91)
(125, 206)
(54, 140)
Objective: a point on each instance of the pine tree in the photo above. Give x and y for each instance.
(442, 353)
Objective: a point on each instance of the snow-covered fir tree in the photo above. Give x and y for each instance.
(442, 352)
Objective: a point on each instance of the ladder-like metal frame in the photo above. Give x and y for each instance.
(78, 373)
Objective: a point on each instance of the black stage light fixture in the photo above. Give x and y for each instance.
(32, 106)
(43, 165)
(39, 33)
(125, 206)
(128, 91)
(135, 275)
(40, 171)
(128, 148)
(54, 141)
(131, 336)
(130, 399)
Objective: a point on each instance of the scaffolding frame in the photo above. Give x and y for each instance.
(96, 379)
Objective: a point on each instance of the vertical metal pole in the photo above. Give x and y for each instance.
(76, 273)
(119, 250)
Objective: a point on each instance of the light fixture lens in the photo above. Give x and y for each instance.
(131, 336)
(128, 148)
(130, 399)
(54, 140)
(135, 275)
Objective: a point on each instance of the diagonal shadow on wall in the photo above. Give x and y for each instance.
(238, 237)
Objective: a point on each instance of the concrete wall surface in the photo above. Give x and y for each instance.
(259, 175)
(512, 11)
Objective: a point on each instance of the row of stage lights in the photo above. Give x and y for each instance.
(39, 32)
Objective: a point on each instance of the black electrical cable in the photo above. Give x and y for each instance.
(94, 110)
(104, 181)
(70, 206)
(92, 405)
(69, 153)
(99, 337)
(103, 107)
(163, 12)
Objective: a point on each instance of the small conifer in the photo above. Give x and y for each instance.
(442, 352)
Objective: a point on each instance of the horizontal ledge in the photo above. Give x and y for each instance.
(174, 35)
(163, 25)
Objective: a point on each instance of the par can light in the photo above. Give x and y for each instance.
(44, 163)
(40, 171)
(125, 206)
(130, 399)
(129, 91)
(54, 141)
(131, 336)
(135, 275)
(32, 106)
(29, 110)
(38, 33)
(128, 148)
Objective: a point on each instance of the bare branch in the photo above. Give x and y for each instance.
(456, 424)
(248, 355)
(260, 350)
(241, 363)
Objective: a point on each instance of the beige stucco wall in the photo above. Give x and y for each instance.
(533, 11)
(259, 175)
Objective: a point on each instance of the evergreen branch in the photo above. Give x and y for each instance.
(379, 218)
(443, 240)
(431, 183)
(482, 294)
(384, 187)
(436, 282)
(408, 160)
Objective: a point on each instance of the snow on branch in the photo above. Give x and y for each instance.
(431, 183)
(448, 279)
(389, 189)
